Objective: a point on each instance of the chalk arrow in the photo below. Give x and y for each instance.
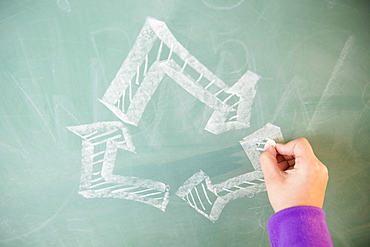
(100, 144)
(142, 71)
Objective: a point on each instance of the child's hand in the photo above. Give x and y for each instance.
(293, 175)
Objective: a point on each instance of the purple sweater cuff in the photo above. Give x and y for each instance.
(299, 226)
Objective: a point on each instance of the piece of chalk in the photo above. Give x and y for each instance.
(269, 142)
(272, 142)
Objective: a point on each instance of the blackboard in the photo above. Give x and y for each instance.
(140, 123)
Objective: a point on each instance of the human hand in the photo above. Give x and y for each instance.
(293, 175)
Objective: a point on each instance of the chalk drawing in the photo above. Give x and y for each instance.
(100, 143)
(157, 53)
(210, 199)
(251, 144)
(139, 77)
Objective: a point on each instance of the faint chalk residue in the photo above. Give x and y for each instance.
(331, 3)
(227, 6)
(366, 96)
(64, 5)
(328, 88)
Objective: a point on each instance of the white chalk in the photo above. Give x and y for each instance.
(269, 142)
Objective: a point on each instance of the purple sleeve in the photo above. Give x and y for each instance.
(299, 226)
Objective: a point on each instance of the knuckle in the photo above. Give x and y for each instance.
(321, 170)
(303, 141)
(325, 171)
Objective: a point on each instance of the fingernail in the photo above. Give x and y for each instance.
(267, 145)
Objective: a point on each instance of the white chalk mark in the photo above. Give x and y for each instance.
(233, 117)
(245, 89)
(152, 194)
(106, 140)
(98, 153)
(105, 188)
(170, 54)
(125, 189)
(96, 180)
(130, 92)
(160, 51)
(229, 97)
(121, 142)
(216, 94)
(249, 183)
(99, 161)
(200, 200)
(153, 30)
(227, 190)
(183, 67)
(111, 185)
(206, 195)
(328, 88)
(237, 103)
(187, 83)
(137, 74)
(192, 198)
(141, 191)
(88, 135)
(100, 135)
(249, 142)
(200, 77)
(220, 201)
(188, 200)
(100, 184)
(146, 65)
(123, 100)
(209, 84)
(119, 103)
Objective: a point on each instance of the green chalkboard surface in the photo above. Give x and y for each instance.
(140, 123)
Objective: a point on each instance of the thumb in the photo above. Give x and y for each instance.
(269, 163)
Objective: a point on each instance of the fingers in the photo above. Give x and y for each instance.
(275, 160)
(269, 163)
(296, 148)
(284, 162)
